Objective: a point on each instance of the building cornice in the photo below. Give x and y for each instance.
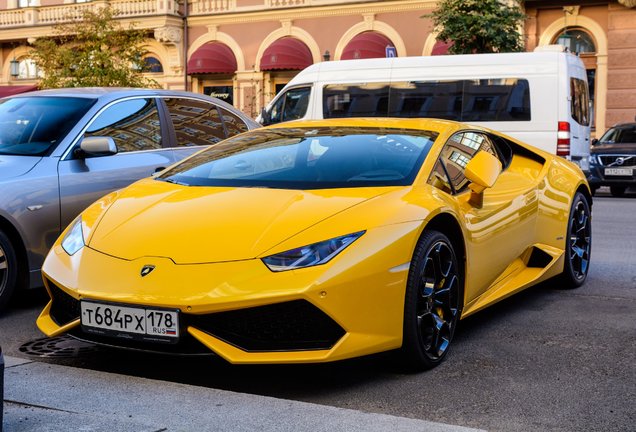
(297, 13)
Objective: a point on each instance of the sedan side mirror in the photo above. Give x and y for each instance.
(482, 171)
(96, 146)
(595, 141)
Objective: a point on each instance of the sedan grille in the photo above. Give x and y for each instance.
(291, 326)
(64, 308)
(618, 160)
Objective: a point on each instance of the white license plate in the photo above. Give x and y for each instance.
(618, 171)
(148, 323)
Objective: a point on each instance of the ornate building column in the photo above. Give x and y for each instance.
(171, 37)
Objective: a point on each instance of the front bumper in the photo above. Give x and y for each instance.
(598, 178)
(242, 311)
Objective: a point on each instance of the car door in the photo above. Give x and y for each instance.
(198, 123)
(137, 128)
(503, 227)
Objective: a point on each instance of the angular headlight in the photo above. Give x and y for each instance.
(311, 255)
(74, 238)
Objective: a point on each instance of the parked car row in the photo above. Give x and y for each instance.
(60, 150)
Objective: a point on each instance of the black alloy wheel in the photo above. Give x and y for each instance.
(579, 243)
(8, 270)
(433, 302)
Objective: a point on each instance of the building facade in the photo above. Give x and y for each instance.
(244, 51)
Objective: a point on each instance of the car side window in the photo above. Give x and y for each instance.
(133, 124)
(292, 105)
(233, 123)
(196, 122)
(355, 100)
(449, 171)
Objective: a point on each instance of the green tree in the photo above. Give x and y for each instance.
(92, 50)
(479, 26)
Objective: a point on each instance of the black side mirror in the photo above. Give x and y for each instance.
(265, 117)
(595, 141)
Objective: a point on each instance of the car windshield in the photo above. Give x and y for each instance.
(34, 125)
(620, 135)
(304, 158)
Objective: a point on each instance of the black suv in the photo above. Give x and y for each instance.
(613, 159)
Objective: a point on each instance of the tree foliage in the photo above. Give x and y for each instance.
(479, 26)
(92, 50)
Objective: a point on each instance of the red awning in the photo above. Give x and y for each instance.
(366, 45)
(286, 53)
(213, 57)
(13, 90)
(441, 48)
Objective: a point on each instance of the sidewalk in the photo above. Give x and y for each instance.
(47, 397)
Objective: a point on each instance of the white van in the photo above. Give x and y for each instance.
(539, 97)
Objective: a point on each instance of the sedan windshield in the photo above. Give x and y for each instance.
(302, 158)
(620, 135)
(34, 125)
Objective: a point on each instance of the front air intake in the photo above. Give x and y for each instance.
(290, 326)
(64, 308)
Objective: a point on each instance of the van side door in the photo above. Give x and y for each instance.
(291, 105)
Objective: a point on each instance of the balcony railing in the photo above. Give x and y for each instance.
(211, 7)
(50, 15)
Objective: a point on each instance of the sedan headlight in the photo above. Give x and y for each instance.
(74, 239)
(311, 255)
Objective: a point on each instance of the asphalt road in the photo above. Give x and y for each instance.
(545, 359)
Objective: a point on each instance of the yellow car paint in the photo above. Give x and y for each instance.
(212, 263)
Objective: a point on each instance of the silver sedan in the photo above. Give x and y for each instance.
(62, 149)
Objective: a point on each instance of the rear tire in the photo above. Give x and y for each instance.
(617, 191)
(433, 302)
(578, 243)
(8, 270)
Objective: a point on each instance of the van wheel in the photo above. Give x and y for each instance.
(8, 270)
(617, 191)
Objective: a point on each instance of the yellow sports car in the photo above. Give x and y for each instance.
(320, 241)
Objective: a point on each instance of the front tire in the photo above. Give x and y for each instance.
(433, 302)
(579, 243)
(8, 270)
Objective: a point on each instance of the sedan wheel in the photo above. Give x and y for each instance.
(433, 302)
(8, 270)
(579, 243)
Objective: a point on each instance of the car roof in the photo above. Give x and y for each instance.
(107, 94)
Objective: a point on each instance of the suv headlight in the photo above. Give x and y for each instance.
(310, 255)
(74, 239)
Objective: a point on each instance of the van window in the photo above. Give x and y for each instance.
(290, 106)
(355, 100)
(498, 99)
(579, 101)
(436, 99)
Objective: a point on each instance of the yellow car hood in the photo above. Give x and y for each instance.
(213, 224)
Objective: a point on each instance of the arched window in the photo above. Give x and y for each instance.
(152, 65)
(576, 41)
(27, 69)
